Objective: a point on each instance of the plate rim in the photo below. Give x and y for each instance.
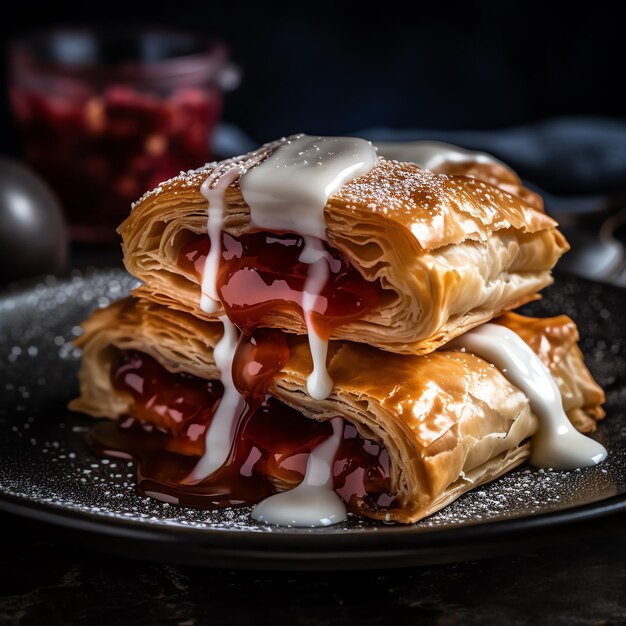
(129, 538)
(394, 534)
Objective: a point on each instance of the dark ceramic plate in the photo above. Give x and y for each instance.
(47, 473)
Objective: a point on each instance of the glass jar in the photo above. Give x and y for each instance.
(106, 116)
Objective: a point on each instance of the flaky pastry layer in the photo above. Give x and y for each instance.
(449, 420)
(447, 251)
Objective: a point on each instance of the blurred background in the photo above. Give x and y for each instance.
(101, 119)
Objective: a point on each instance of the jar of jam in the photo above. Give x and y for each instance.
(104, 116)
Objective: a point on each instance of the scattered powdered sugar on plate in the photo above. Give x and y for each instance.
(44, 460)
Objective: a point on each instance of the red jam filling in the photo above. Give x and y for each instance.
(260, 274)
(165, 431)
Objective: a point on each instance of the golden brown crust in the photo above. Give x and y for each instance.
(449, 252)
(555, 341)
(438, 210)
(550, 337)
(494, 173)
(448, 419)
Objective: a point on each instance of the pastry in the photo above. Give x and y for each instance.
(445, 158)
(413, 432)
(414, 257)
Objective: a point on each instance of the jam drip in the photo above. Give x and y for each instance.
(169, 415)
(261, 274)
(258, 358)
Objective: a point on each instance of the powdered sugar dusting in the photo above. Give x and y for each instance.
(195, 178)
(395, 188)
(437, 208)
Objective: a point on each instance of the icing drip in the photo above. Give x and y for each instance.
(557, 444)
(221, 433)
(319, 383)
(313, 502)
(430, 155)
(213, 189)
(288, 192)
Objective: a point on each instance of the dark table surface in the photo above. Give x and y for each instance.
(576, 577)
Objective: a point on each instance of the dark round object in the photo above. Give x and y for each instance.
(33, 235)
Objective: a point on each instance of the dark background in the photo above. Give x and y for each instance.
(339, 67)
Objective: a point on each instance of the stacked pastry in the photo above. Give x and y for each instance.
(323, 329)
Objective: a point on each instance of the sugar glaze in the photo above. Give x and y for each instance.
(214, 190)
(557, 444)
(220, 436)
(313, 502)
(430, 155)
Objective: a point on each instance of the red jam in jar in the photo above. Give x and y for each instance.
(104, 117)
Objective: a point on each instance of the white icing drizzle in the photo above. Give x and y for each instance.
(430, 155)
(221, 433)
(213, 189)
(319, 383)
(557, 444)
(313, 502)
(288, 192)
